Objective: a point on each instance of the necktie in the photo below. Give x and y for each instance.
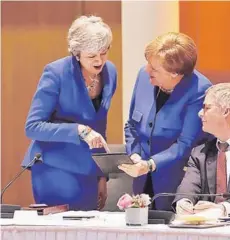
(221, 172)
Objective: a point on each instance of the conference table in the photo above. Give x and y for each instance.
(103, 226)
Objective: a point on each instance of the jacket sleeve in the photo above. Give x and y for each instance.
(131, 136)
(191, 182)
(115, 82)
(191, 131)
(43, 105)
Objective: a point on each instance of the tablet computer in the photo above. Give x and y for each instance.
(109, 162)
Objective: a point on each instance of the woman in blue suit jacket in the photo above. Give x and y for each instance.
(163, 123)
(68, 117)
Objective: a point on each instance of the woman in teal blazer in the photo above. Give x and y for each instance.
(163, 124)
(67, 120)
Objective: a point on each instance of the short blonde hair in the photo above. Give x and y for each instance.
(177, 52)
(220, 93)
(89, 34)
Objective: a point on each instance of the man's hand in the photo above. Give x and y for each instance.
(203, 205)
(102, 193)
(209, 209)
(184, 206)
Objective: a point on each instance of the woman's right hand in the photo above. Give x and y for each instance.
(92, 138)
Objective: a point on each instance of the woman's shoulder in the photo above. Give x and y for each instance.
(61, 62)
(197, 83)
(59, 67)
(200, 78)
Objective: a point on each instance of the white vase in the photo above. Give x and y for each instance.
(136, 216)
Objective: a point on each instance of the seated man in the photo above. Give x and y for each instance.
(209, 165)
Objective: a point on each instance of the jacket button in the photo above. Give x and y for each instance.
(148, 142)
(150, 124)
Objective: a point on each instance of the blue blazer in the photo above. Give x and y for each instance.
(176, 128)
(60, 103)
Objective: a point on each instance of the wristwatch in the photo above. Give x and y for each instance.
(83, 134)
(150, 164)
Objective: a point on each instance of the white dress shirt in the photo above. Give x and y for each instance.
(227, 204)
(227, 153)
(228, 164)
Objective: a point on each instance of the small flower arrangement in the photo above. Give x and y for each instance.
(134, 201)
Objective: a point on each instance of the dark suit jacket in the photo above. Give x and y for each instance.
(200, 176)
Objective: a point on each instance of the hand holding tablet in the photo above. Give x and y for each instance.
(109, 162)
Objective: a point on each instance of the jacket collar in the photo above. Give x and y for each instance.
(106, 78)
(210, 148)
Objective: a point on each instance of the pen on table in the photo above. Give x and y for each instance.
(73, 218)
(76, 218)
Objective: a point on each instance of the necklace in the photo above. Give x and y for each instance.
(92, 86)
(166, 90)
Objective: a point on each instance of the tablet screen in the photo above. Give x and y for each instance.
(109, 162)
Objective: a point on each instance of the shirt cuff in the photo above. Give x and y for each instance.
(218, 140)
(228, 141)
(227, 208)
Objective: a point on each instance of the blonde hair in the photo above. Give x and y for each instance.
(220, 93)
(176, 51)
(89, 34)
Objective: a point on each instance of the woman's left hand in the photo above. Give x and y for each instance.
(137, 169)
(102, 192)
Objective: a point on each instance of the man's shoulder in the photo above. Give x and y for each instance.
(209, 146)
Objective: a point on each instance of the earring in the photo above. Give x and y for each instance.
(78, 59)
(174, 75)
(227, 111)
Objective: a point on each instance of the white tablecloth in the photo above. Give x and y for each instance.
(106, 226)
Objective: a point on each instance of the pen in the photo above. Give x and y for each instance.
(77, 217)
(71, 218)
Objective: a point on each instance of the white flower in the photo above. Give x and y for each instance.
(146, 199)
